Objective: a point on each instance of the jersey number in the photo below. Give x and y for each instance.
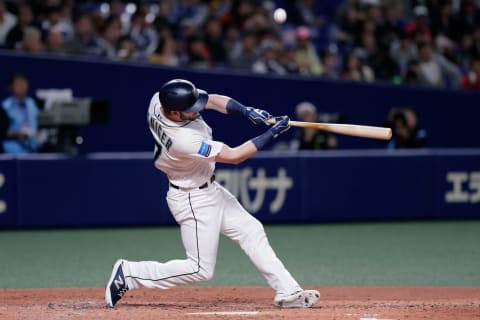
(158, 152)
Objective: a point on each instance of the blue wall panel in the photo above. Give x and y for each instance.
(79, 192)
(276, 187)
(458, 181)
(8, 194)
(361, 188)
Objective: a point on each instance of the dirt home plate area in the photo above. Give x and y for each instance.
(359, 303)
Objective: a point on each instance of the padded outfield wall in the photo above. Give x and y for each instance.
(112, 189)
(450, 117)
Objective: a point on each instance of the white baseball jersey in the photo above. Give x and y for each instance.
(185, 150)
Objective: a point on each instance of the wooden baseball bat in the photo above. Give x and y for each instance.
(381, 133)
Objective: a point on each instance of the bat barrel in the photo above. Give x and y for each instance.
(371, 132)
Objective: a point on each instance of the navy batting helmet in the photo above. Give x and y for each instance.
(181, 95)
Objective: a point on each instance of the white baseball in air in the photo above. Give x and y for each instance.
(279, 15)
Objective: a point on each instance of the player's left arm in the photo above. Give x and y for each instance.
(228, 105)
(236, 155)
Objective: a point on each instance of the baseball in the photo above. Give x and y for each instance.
(279, 15)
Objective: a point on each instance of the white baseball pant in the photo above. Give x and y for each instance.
(202, 215)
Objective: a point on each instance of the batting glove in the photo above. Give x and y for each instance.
(280, 126)
(257, 115)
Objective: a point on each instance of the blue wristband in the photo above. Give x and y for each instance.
(262, 139)
(233, 106)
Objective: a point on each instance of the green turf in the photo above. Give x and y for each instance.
(403, 253)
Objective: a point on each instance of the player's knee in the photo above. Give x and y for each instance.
(203, 271)
(205, 274)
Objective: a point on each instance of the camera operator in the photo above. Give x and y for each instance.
(313, 139)
(406, 132)
(21, 111)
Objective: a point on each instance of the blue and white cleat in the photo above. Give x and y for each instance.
(300, 299)
(116, 286)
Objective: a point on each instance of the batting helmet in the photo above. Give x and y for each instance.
(181, 95)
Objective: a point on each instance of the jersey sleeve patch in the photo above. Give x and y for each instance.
(205, 149)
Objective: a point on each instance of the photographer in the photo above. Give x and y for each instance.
(309, 138)
(21, 111)
(406, 133)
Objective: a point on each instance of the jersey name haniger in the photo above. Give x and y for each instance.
(163, 139)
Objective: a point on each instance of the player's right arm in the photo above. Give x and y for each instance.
(246, 150)
(228, 105)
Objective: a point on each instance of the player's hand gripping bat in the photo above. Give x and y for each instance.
(381, 133)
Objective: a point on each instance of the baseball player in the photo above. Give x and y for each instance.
(186, 153)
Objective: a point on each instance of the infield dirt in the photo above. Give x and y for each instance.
(340, 303)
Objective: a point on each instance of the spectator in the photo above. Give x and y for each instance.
(349, 22)
(391, 26)
(54, 42)
(144, 37)
(164, 18)
(110, 33)
(383, 65)
(411, 75)
(465, 52)
(22, 113)
(240, 11)
(126, 49)
(117, 10)
(472, 79)
(420, 24)
(232, 41)
(260, 23)
(303, 13)
(404, 125)
(403, 50)
(288, 59)
(467, 20)
(32, 41)
(7, 22)
(214, 41)
(309, 138)
(198, 55)
(435, 70)
(330, 63)
(193, 10)
(355, 70)
(25, 19)
(84, 41)
(306, 56)
(376, 57)
(268, 61)
(247, 54)
(476, 43)
(54, 19)
(166, 52)
(443, 20)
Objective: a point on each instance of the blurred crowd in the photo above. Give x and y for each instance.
(430, 42)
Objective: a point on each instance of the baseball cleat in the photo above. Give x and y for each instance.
(300, 299)
(116, 286)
